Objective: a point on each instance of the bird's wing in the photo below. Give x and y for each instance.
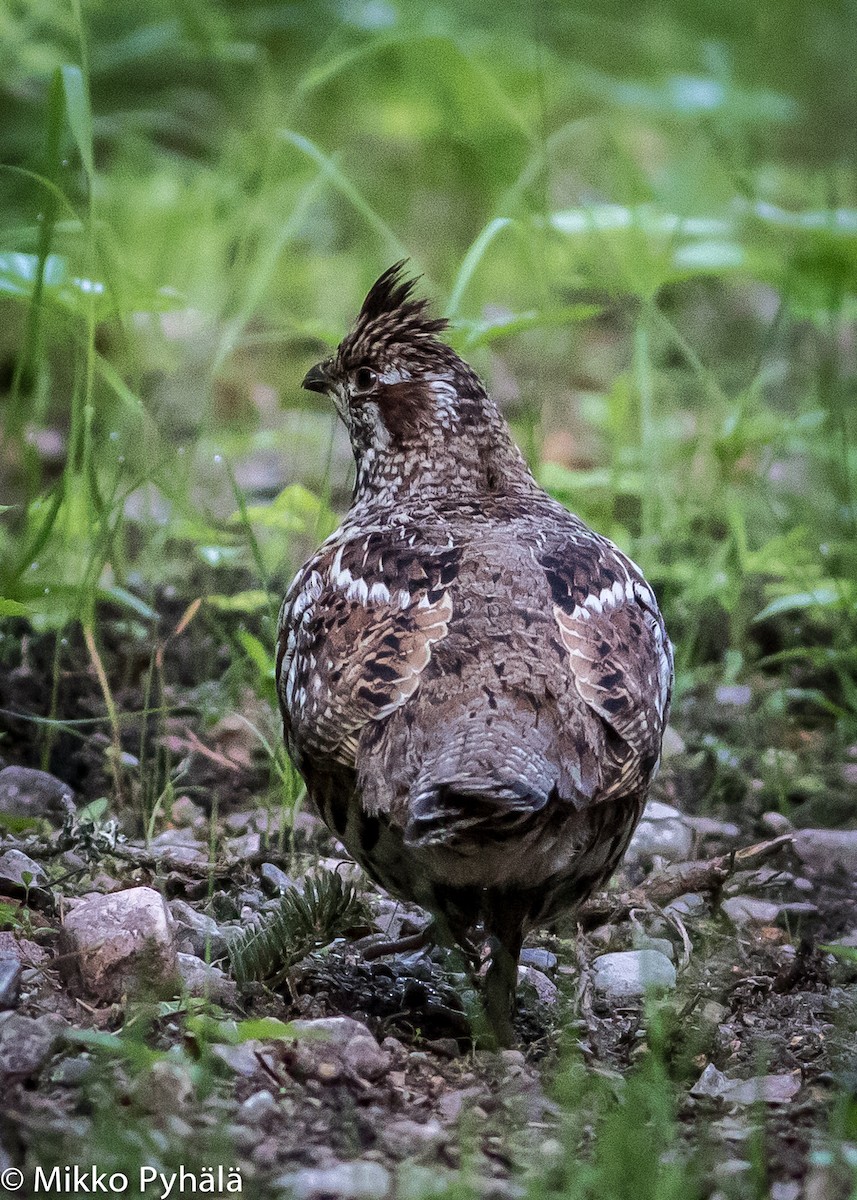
(619, 655)
(356, 632)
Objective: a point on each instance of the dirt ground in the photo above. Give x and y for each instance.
(753, 1041)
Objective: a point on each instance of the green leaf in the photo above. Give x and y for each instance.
(11, 608)
(846, 953)
(261, 657)
(263, 1027)
(92, 812)
(821, 598)
(243, 602)
(79, 113)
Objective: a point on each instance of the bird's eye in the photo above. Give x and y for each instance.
(365, 379)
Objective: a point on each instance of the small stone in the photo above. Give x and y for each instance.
(542, 960)
(713, 1013)
(707, 827)
(25, 792)
(14, 865)
(545, 989)
(662, 832)
(768, 1089)
(257, 1107)
(404, 1138)
(689, 904)
(734, 695)
(627, 974)
(747, 910)
(185, 814)
(111, 943)
(202, 932)
(201, 979)
(10, 983)
(274, 881)
(335, 1042)
(243, 1059)
(244, 846)
(710, 1083)
(166, 1088)
(732, 1168)
(182, 845)
(827, 850)
(71, 1072)
(25, 1043)
(849, 773)
(664, 946)
(345, 1181)
(788, 1189)
(776, 823)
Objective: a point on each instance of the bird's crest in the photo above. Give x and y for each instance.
(392, 325)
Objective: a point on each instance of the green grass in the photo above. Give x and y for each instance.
(643, 223)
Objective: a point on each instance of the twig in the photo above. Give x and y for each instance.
(707, 875)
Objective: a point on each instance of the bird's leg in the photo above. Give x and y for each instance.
(504, 927)
(498, 992)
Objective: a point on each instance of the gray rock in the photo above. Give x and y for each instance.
(14, 864)
(403, 1138)
(331, 1047)
(767, 1089)
(245, 845)
(71, 1072)
(345, 1181)
(690, 904)
(748, 910)
(182, 846)
(629, 974)
(827, 850)
(256, 1107)
(707, 827)
(125, 940)
(735, 695)
(662, 832)
(10, 982)
(545, 989)
(274, 881)
(664, 946)
(200, 979)
(542, 960)
(25, 792)
(199, 930)
(776, 822)
(243, 1059)
(167, 1087)
(25, 1043)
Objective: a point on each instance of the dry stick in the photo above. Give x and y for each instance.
(707, 875)
(95, 657)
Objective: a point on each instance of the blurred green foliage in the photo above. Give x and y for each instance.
(642, 222)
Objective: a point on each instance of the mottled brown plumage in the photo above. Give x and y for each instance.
(474, 685)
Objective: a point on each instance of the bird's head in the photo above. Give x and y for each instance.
(412, 407)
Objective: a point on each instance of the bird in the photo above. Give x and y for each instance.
(474, 684)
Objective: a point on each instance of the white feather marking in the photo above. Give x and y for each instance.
(379, 593)
(357, 590)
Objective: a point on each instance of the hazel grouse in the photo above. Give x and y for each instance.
(474, 685)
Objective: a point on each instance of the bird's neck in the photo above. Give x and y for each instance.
(444, 465)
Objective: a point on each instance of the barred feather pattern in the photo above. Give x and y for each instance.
(473, 683)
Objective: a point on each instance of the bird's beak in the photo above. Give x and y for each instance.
(316, 379)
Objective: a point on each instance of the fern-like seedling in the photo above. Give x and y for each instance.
(328, 908)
